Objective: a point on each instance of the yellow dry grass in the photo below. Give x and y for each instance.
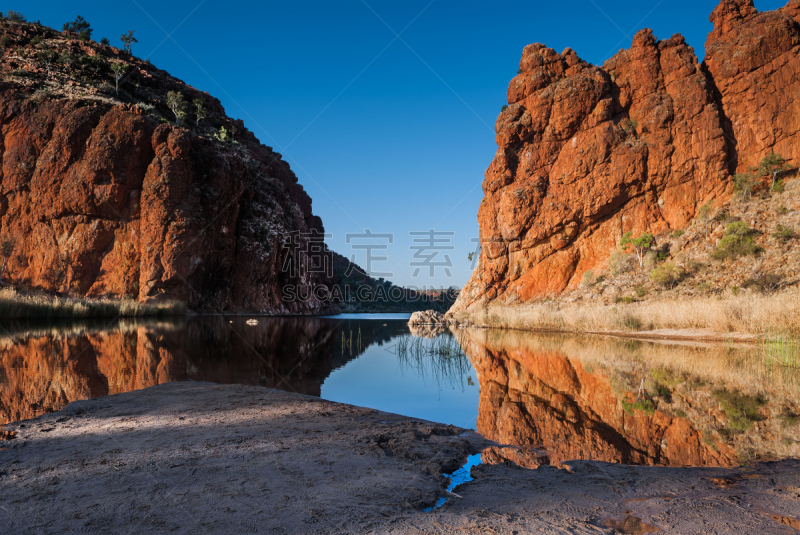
(17, 304)
(752, 313)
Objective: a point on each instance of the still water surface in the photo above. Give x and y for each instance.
(547, 398)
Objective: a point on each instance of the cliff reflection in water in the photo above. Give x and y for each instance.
(42, 370)
(550, 398)
(559, 398)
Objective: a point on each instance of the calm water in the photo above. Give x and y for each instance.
(546, 398)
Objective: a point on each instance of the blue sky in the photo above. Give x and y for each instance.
(386, 133)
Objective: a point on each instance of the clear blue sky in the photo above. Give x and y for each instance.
(386, 133)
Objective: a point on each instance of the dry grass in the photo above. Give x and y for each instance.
(18, 304)
(742, 314)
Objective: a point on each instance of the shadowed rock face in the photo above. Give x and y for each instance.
(587, 153)
(106, 201)
(43, 372)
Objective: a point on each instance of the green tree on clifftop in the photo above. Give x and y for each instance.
(128, 39)
(79, 26)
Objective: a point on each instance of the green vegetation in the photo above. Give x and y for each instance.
(646, 406)
(639, 290)
(503, 108)
(782, 350)
(631, 322)
(678, 233)
(80, 27)
(36, 41)
(119, 71)
(784, 234)
(782, 210)
(629, 125)
(223, 135)
(5, 41)
(743, 184)
(667, 274)
(104, 41)
(742, 410)
(738, 240)
(15, 16)
(771, 166)
(177, 103)
(127, 40)
(200, 111)
(588, 279)
(640, 244)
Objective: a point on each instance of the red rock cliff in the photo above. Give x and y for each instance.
(106, 197)
(588, 153)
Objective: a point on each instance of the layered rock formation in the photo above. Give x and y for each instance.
(107, 197)
(587, 153)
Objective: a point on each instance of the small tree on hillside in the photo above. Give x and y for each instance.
(119, 71)
(771, 166)
(104, 41)
(16, 16)
(47, 58)
(178, 105)
(200, 111)
(128, 39)
(640, 245)
(743, 184)
(7, 246)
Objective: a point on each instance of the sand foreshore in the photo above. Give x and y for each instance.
(203, 458)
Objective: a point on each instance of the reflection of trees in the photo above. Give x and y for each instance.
(43, 369)
(583, 397)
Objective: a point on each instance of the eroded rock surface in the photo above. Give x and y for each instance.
(106, 198)
(587, 153)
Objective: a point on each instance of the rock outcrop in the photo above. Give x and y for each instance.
(587, 153)
(107, 197)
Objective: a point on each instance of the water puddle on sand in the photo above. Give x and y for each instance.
(459, 477)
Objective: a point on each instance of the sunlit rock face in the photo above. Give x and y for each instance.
(587, 153)
(552, 400)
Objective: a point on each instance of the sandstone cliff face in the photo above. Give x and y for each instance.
(106, 198)
(588, 153)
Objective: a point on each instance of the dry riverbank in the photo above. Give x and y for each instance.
(203, 458)
(692, 318)
(27, 304)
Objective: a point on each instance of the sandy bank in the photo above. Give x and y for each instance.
(202, 458)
